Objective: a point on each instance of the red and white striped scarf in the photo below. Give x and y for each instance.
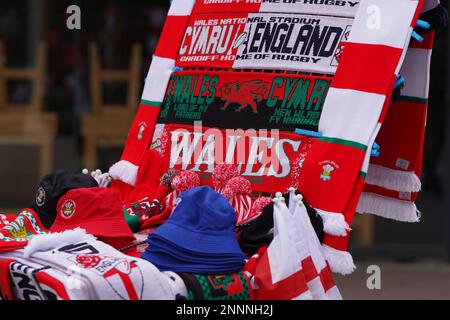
(332, 173)
(393, 178)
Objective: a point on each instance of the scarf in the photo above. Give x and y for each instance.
(328, 169)
(5, 219)
(235, 286)
(163, 61)
(332, 180)
(74, 266)
(16, 234)
(393, 178)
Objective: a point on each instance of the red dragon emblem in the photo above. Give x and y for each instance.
(245, 94)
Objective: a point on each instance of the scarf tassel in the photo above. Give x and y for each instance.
(334, 223)
(399, 210)
(339, 261)
(124, 171)
(401, 181)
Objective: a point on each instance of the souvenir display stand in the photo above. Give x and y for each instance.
(263, 127)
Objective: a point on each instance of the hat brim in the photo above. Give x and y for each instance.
(205, 260)
(166, 262)
(101, 228)
(208, 243)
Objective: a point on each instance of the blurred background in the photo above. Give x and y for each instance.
(59, 82)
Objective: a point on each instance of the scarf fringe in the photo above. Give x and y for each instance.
(339, 261)
(334, 223)
(401, 181)
(124, 171)
(399, 210)
(46, 242)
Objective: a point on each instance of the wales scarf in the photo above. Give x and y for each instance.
(362, 57)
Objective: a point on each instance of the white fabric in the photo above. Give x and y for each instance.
(348, 113)
(401, 181)
(181, 7)
(46, 242)
(377, 18)
(344, 8)
(41, 291)
(416, 71)
(339, 261)
(399, 210)
(282, 248)
(109, 274)
(324, 64)
(124, 171)
(158, 79)
(334, 223)
(405, 50)
(367, 157)
(303, 228)
(177, 285)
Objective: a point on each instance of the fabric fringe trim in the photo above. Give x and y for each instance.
(339, 261)
(46, 242)
(124, 171)
(399, 210)
(334, 223)
(401, 181)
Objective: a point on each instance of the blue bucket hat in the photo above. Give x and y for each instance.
(203, 222)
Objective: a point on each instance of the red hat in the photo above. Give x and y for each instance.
(98, 210)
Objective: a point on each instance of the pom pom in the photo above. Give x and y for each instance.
(223, 173)
(185, 180)
(298, 198)
(167, 178)
(259, 204)
(237, 185)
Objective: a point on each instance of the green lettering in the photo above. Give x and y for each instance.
(193, 99)
(298, 98)
(200, 98)
(187, 90)
(179, 84)
(212, 89)
(290, 84)
(318, 95)
(271, 100)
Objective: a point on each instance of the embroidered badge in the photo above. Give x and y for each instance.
(328, 168)
(68, 209)
(142, 127)
(40, 197)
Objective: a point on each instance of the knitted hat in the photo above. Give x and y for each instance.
(238, 192)
(52, 187)
(222, 173)
(257, 207)
(137, 213)
(179, 182)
